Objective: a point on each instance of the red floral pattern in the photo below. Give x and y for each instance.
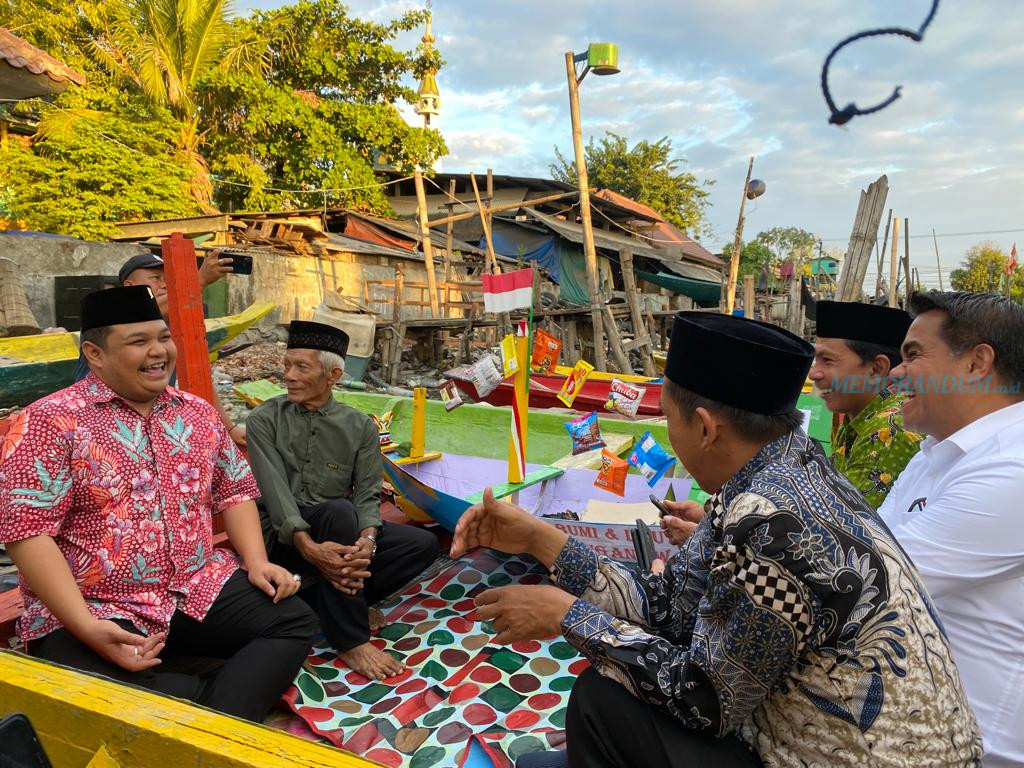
(128, 500)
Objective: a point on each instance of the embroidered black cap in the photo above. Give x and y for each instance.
(303, 334)
(747, 364)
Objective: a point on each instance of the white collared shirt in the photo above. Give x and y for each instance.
(958, 511)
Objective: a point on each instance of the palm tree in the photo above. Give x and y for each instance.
(165, 47)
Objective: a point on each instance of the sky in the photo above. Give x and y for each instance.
(728, 79)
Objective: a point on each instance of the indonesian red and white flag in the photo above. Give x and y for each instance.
(1011, 265)
(512, 290)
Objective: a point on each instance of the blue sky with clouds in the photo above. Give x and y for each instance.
(730, 78)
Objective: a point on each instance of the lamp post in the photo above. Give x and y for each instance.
(601, 59)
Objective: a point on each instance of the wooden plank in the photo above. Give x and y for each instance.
(76, 714)
(615, 342)
(894, 268)
(427, 456)
(507, 489)
(185, 316)
(529, 203)
(642, 333)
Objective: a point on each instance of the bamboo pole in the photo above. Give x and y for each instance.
(493, 266)
(428, 249)
(530, 203)
(449, 270)
(618, 352)
(906, 262)
(589, 251)
(734, 262)
(938, 264)
(894, 263)
(881, 256)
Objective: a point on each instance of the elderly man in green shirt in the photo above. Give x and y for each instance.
(318, 466)
(857, 347)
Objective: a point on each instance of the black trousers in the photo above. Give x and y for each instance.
(608, 727)
(262, 645)
(403, 552)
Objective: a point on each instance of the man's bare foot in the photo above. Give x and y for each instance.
(377, 620)
(371, 662)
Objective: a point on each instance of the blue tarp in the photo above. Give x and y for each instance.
(528, 245)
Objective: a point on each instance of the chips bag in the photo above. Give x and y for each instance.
(624, 398)
(612, 475)
(585, 433)
(451, 396)
(651, 459)
(574, 382)
(383, 423)
(546, 349)
(485, 376)
(509, 360)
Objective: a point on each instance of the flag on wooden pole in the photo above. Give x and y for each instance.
(520, 414)
(508, 291)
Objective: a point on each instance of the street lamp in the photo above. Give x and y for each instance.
(601, 59)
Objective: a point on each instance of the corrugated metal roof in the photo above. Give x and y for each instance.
(356, 245)
(612, 241)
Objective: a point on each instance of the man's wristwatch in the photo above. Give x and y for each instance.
(372, 538)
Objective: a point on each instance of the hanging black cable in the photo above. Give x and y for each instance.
(851, 110)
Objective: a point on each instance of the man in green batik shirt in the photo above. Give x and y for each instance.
(319, 469)
(858, 345)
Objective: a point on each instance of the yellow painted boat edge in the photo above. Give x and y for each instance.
(76, 714)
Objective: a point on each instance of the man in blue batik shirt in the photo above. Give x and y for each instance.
(790, 630)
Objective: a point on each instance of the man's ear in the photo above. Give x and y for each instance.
(710, 428)
(93, 353)
(982, 360)
(880, 366)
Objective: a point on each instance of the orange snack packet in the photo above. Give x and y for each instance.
(612, 475)
(546, 349)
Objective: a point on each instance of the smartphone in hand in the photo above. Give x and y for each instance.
(662, 509)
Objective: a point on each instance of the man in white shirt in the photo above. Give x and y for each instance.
(957, 507)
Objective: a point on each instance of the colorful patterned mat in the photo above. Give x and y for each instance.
(458, 686)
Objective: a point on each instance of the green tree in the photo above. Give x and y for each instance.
(646, 173)
(323, 115)
(786, 243)
(755, 256)
(984, 270)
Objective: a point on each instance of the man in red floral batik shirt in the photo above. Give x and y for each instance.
(107, 489)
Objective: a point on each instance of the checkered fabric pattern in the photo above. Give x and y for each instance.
(770, 588)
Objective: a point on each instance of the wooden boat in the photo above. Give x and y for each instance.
(34, 366)
(544, 390)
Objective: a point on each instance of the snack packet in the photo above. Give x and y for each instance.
(624, 398)
(450, 395)
(585, 433)
(485, 376)
(509, 361)
(574, 382)
(383, 423)
(612, 476)
(546, 349)
(651, 459)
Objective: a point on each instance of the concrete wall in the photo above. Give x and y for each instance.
(42, 258)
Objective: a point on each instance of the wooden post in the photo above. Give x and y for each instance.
(449, 269)
(571, 344)
(493, 265)
(906, 262)
(643, 334)
(894, 264)
(749, 298)
(734, 262)
(397, 329)
(419, 423)
(185, 316)
(881, 256)
(428, 250)
(618, 353)
(796, 314)
(938, 264)
(589, 251)
(850, 285)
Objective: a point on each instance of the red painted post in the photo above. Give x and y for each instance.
(185, 316)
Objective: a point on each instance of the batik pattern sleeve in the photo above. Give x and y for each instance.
(233, 481)
(367, 472)
(749, 626)
(35, 477)
(271, 475)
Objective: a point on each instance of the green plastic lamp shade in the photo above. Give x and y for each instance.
(603, 58)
